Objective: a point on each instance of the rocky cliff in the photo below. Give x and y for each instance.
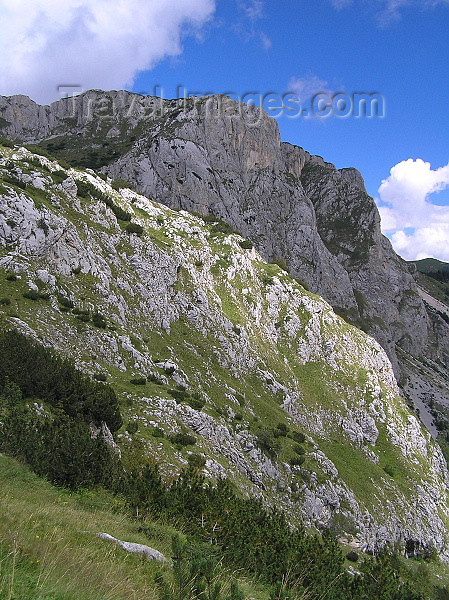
(202, 337)
(216, 156)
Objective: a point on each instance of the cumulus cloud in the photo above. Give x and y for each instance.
(417, 227)
(90, 43)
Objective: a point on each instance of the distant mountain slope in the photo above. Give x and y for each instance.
(431, 265)
(203, 338)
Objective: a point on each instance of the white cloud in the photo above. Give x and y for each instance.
(309, 86)
(254, 9)
(92, 43)
(417, 227)
(389, 10)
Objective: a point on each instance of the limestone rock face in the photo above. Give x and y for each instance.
(216, 156)
(278, 392)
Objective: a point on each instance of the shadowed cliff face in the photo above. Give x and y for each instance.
(216, 156)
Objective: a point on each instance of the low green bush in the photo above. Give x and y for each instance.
(132, 427)
(155, 379)
(118, 184)
(299, 449)
(100, 377)
(66, 302)
(31, 295)
(98, 320)
(138, 381)
(298, 437)
(352, 556)
(134, 228)
(182, 439)
(6, 143)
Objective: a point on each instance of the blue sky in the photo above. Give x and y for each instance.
(405, 59)
(398, 48)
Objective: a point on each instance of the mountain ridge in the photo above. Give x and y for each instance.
(215, 156)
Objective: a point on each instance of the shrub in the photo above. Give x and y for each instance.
(280, 262)
(134, 228)
(352, 556)
(390, 470)
(178, 395)
(155, 379)
(40, 373)
(86, 189)
(13, 180)
(182, 439)
(83, 189)
(222, 227)
(296, 461)
(169, 370)
(83, 318)
(31, 295)
(98, 320)
(100, 377)
(196, 403)
(157, 432)
(80, 311)
(5, 301)
(246, 245)
(302, 284)
(59, 448)
(44, 295)
(76, 271)
(66, 302)
(58, 176)
(196, 461)
(6, 143)
(267, 280)
(11, 277)
(267, 443)
(240, 399)
(298, 437)
(118, 184)
(299, 449)
(138, 381)
(132, 427)
(281, 430)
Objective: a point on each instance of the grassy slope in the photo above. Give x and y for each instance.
(45, 555)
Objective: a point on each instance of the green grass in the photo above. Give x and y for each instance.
(48, 550)
(44, 553)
